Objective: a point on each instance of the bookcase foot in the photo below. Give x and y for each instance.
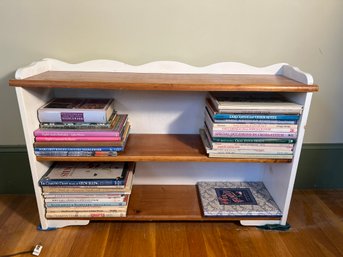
(259, 222)
(54, 224)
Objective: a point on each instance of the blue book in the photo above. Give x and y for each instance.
(87, 174)
(223, 116)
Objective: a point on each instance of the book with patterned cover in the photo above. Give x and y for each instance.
(237, 199)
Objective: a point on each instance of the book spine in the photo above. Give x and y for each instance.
(234, 121)
(89, 182)
(256, 127)
(85, 214)
(251, 156)
(251, 151)
(74, 133)
(221, 116)
(75, 153)
(90, 149)
(83, 199)
(253, 134)
(246, 146)
(76, 139)
(85, 204)
(253, 140)
(74, 126)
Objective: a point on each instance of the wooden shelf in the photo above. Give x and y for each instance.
(163, 148)
(169, 203)
(163, 82)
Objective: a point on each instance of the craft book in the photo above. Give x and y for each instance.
(85, 174)
(246, 102)
(236, 199)
(76, 110)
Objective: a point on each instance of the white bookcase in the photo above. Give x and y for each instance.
(165, 102)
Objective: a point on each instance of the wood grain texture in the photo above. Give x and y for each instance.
(163, 82)
(162, 148)
(315, 217)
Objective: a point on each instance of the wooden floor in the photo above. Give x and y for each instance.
(316, 219)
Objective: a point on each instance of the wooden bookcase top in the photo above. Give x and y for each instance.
(163, 82)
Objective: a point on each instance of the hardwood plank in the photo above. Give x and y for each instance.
(163, 148)
(164, 82)
(168, 236)
(315, 231)
(131, 239)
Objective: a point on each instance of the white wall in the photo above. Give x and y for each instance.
(304, 33)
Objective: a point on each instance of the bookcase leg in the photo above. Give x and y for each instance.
(259, 222)
(54, 224)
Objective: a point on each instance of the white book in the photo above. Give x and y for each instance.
(76, 110)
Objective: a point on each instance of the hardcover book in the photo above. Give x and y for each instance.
(92, 189)
(85, 174)
(229, 117)
(76, 110)
(245, 102)
(237, 199)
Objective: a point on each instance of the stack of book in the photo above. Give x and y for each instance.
(87, 189)
(80, 127)
(250, 125)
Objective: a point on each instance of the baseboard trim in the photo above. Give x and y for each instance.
(320, 167)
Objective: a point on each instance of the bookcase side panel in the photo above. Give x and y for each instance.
(280, 178)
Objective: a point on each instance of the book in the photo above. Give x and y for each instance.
(122, 208)
(217, 144)
(71, 199)
(257, 102)
(116, 131)
(236, 199)
(75, 153)
(83, 204)
(81, 214)
(77, 139)
(109, 125)
(76, 110)
(81, 149)
(125, 189)
(251, 116)
(86, 174)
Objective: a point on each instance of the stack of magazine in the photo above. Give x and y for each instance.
(80, 127)
(87, 189)
(250, 125)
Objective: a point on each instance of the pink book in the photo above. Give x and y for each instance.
(74, 133)
(76, 139)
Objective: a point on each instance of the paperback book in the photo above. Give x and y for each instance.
(246, 102)
(86, 174)
(237, 199)
(252, 116)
